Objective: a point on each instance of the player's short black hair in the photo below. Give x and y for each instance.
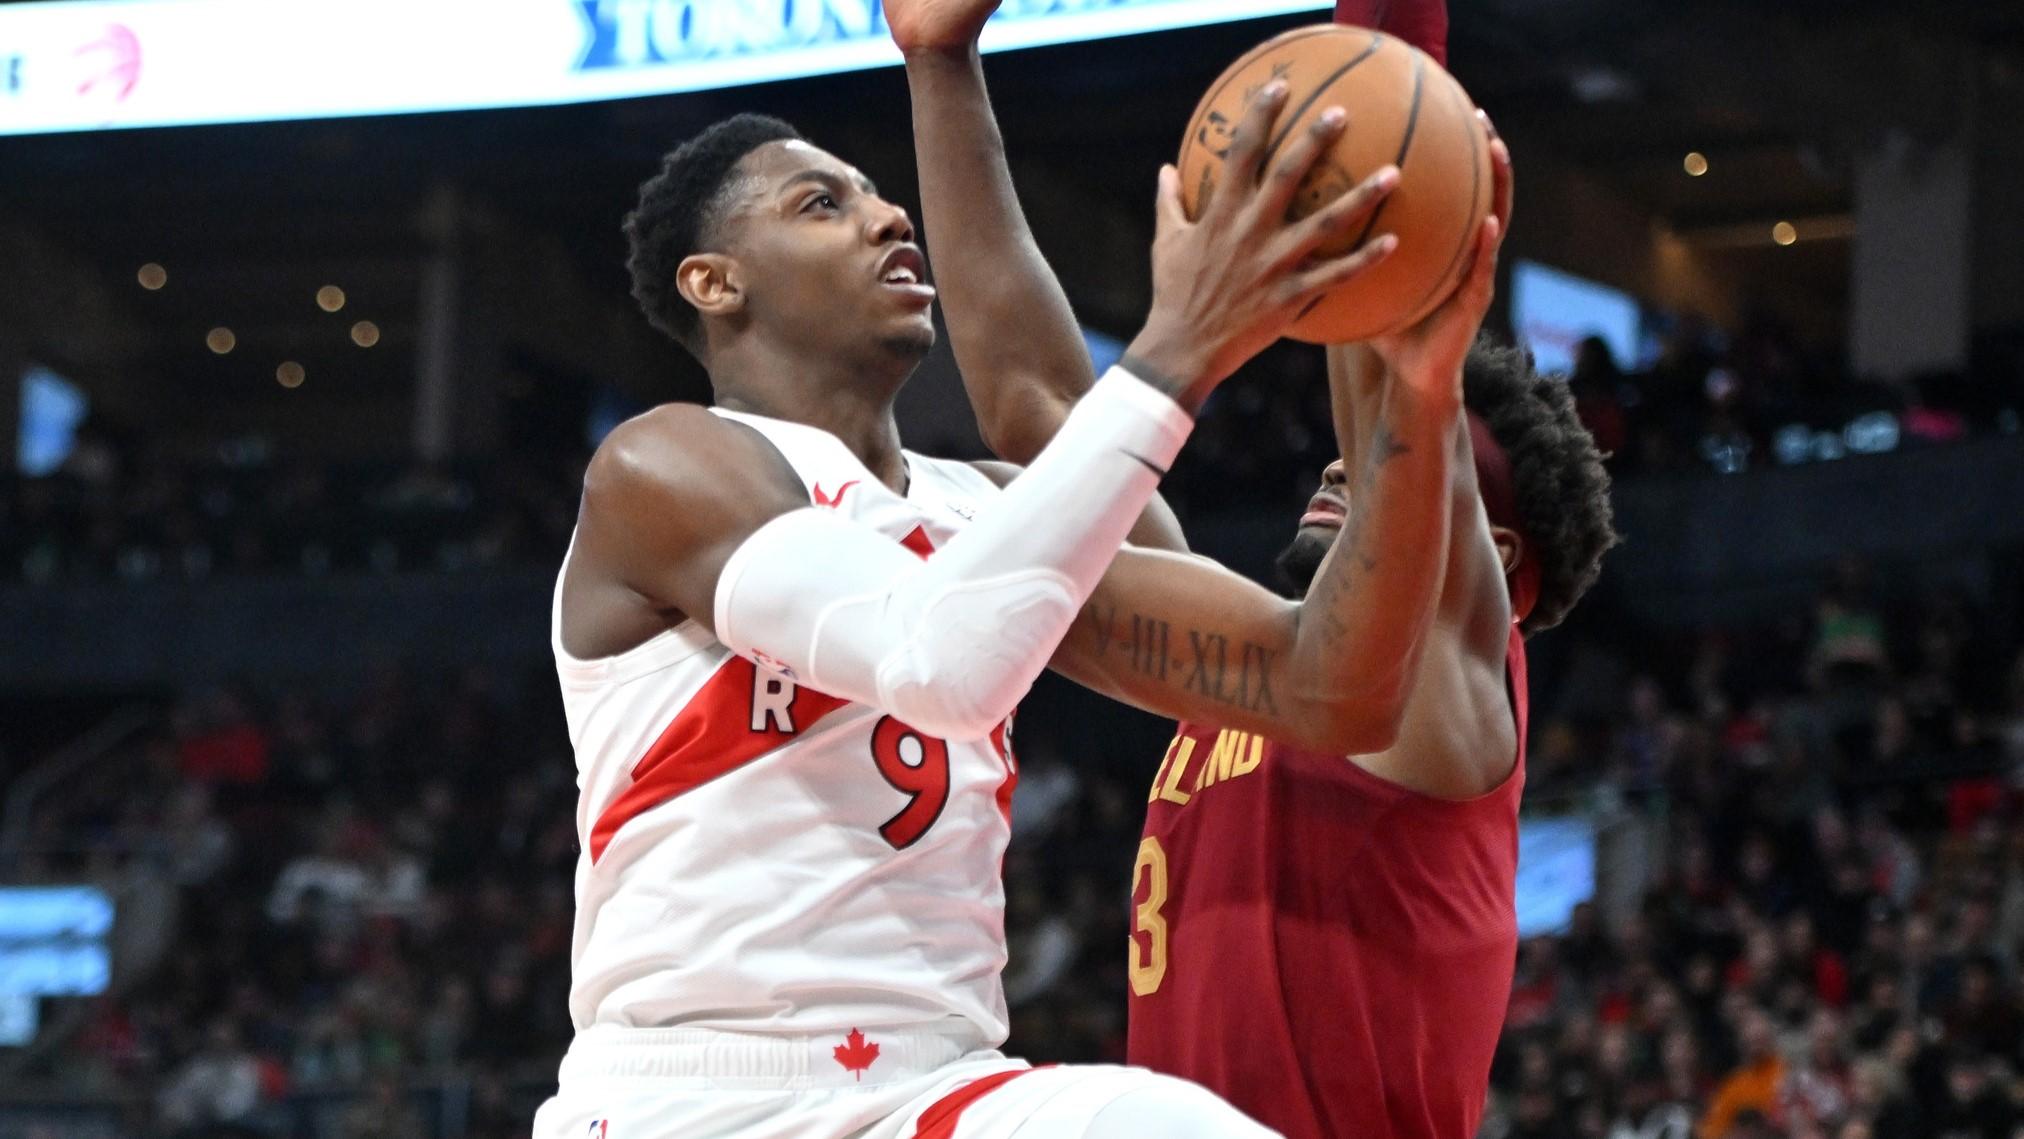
(1562, 492)
(679, 211)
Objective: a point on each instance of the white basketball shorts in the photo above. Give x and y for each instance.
(907, 1084)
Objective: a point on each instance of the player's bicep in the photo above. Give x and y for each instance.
(671, 495)
(1183, 637)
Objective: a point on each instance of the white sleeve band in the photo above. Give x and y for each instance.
(950, 645)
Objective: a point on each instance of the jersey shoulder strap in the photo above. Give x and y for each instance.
(824, 465)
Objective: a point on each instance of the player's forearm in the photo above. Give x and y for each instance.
(1355, 397)
(950, 644)
(1016, 340)
(1365, 618)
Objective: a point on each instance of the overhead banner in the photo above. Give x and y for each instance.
(86, 65)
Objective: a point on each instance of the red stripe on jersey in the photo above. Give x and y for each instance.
(939, 1121)
(711, 736)
(1011, 783)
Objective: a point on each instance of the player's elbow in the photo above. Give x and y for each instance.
(955, 712)
(972, 652)
(1024, 418)
(1014, 440)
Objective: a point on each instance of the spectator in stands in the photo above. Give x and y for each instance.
(1749, 1095)
(330, 881)
(218, 1090)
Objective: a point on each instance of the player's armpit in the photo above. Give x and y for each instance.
(670, 495)
(1457, 739)
(1183, 637)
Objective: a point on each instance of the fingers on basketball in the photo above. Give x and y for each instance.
(1168, 212)
(1323, 275)
(1254, 134)
(1348, 213)
(1295, 162)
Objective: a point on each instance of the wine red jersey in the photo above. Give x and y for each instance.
(1327, 950)
(1421, 23)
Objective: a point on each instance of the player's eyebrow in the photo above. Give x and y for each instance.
(828, 180)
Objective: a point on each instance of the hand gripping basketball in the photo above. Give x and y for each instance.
(1406, 111)
(1230, 283)
(1427, 356)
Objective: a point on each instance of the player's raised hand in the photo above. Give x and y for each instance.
(937, 25)
(1229, 283)
(1428, 356)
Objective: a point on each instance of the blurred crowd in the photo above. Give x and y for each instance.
(1703, 402)
(1830, 947)
(374, 889)
(374, 894)
(117, 509)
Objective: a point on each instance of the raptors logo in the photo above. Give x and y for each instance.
(110, 66)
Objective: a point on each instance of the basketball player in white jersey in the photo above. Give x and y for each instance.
(789, 650)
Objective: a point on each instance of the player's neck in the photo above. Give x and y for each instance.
(853, 402)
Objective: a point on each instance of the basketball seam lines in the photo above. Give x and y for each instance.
(1320, 89)
(1405, 145)
(1469, 232)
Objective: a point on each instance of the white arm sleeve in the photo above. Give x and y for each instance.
(950, 645)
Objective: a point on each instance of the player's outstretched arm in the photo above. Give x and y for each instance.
(1015, 338)
(1017, 343)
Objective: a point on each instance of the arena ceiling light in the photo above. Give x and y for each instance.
(80, 65)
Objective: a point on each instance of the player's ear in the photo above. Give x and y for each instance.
(713, 282)
(1510, 547)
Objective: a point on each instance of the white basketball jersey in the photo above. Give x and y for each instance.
(761, 856)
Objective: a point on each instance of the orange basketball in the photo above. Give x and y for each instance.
(1403, 109)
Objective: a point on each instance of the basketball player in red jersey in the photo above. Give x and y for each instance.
(1325, 934)
(1328, 941)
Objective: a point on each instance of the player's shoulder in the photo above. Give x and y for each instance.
(682, 451)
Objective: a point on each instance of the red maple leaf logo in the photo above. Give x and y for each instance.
(854, 1054)
(822, 499)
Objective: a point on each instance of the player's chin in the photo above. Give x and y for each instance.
(912, 336)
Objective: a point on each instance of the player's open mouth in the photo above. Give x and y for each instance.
(1325, 510)
(905, 271)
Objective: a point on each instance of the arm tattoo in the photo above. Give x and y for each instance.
(1239, 674)
(1329, 593)
(1156, 378)
(1144, 644)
